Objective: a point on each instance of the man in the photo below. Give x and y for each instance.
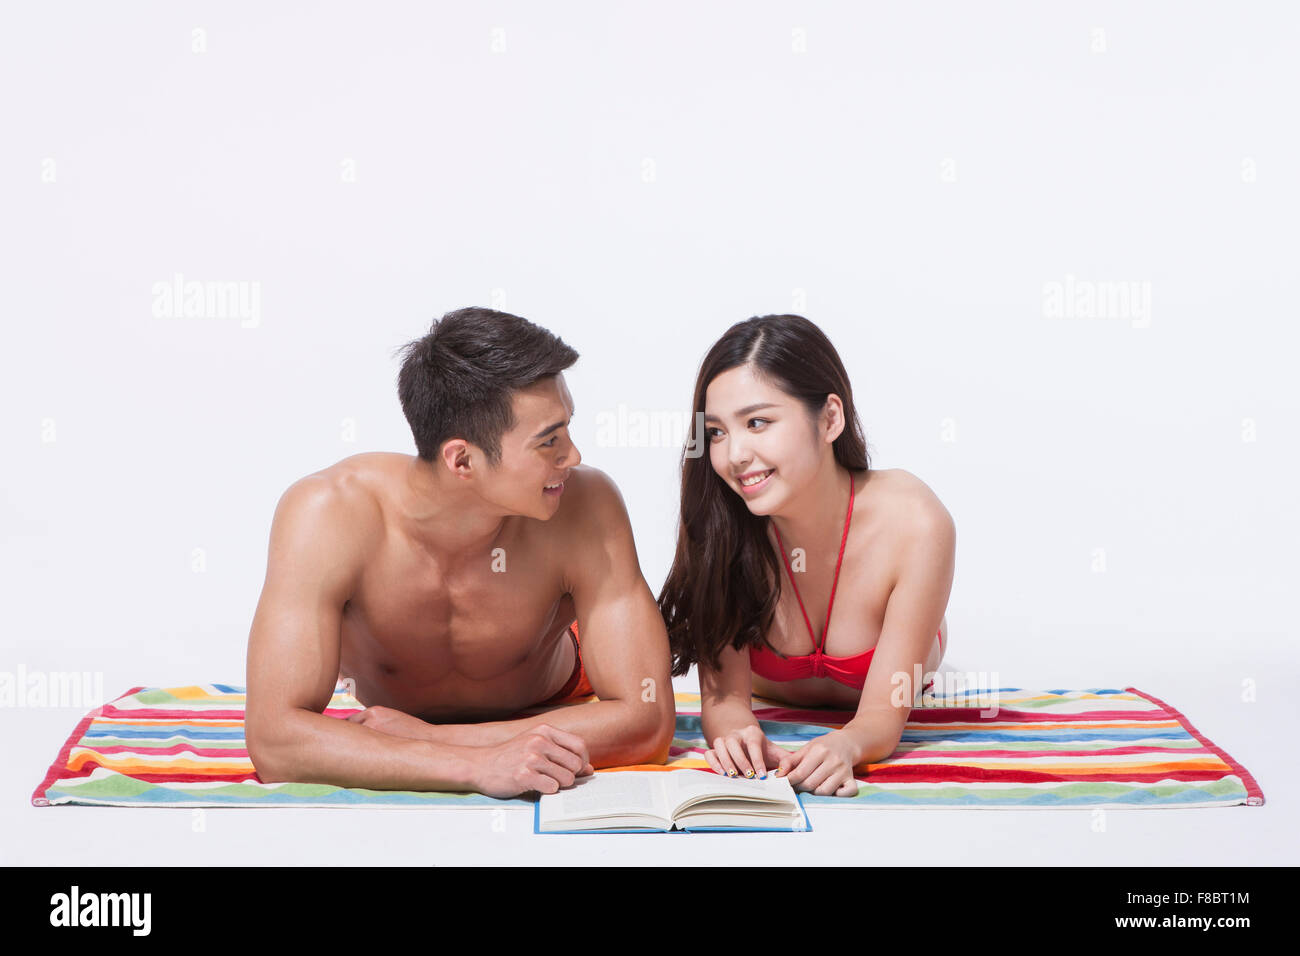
(444, 585)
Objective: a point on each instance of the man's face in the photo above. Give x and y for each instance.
(536, 453)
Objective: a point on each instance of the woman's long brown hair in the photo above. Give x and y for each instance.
(724, 584)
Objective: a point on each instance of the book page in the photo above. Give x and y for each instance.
(692, 785)
(607, 794)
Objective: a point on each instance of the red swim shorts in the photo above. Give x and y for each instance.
(578, 687)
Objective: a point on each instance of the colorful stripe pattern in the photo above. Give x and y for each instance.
(1039, 750)
(184, 746)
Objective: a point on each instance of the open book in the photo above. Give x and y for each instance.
(634, 801)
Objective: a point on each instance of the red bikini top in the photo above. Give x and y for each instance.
(851, 671)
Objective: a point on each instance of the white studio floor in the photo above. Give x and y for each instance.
(1229, 836)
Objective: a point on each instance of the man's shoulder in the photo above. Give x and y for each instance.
(342, 501)
(590, 480)
(591, 511)
(593, 540)
(590, 497)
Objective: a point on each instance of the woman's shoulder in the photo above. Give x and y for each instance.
(906, 503)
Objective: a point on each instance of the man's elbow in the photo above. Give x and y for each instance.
(644, 734)
(268, 753)
(269, 768)
(655, 738)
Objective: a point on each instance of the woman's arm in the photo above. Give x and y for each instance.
(912, 616)
(726, 695)
(737, 744)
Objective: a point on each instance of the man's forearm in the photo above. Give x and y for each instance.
(617, 733)
(484, 734)
(307, 747)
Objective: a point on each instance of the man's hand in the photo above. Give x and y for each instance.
(824, 766)
(395, 723)
(542, 758)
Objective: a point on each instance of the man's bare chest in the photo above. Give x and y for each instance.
(411, 617)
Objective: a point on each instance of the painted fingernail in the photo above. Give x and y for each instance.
(749, 773)
(731, 773)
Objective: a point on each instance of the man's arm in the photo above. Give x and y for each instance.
(624, 644)
(319, 536)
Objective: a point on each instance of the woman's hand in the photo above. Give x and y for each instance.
(825, 765)
(745, 752)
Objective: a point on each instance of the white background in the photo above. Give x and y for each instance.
(636, 178)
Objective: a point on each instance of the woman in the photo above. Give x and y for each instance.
(782, 523)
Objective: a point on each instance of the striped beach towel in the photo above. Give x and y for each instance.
(1047, 749)
(184, 747)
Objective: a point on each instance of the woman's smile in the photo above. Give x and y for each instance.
(756, 481)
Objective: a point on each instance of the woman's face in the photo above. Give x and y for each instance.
(762, 442)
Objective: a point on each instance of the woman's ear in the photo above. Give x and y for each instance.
(832, 418)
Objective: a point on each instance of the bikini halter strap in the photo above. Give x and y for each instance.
(817, 647)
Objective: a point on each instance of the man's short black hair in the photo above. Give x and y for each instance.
(457, 381)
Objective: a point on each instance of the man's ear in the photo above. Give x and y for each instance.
(456, 456)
